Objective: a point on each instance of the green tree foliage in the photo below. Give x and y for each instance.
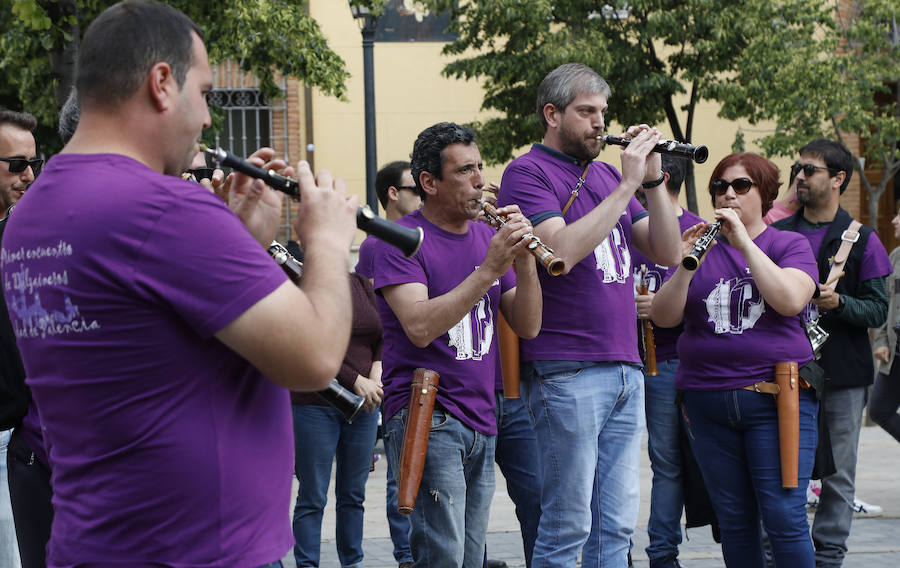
(852, 89)
(650, 52)
(39, 42)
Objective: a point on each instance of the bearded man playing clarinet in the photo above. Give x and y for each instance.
(439, 311)
(582, 375)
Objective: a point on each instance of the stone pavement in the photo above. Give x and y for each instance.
(874, 542)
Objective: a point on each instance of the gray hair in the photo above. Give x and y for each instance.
(563, 84)
(69, 116)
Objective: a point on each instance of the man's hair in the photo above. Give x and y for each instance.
(388, 176)
(124, 42)
(675, 168)
(760, 170)
(21, 119)
(835, 155)
(69, 116)
(563, 84)
(428, 149)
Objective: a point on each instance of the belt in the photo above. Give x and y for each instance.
(769, 387)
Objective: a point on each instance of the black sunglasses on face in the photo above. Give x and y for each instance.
(740, 185)
(409, 187)
(200, 173)
(18, 165)
(808, 169)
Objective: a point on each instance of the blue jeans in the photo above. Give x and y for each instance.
(321, 435)
(666, 496)
(843, 412)
(9, 547)
(587, 419)
(734, 435)
(398, 523)
(450, 518)
(517, 457)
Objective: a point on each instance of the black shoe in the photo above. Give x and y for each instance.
(667, 562)
(496, 564)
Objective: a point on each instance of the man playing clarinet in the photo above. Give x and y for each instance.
(156, 332)
(439, 311)
(582, 374)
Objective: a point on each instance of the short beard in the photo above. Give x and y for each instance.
(574, 146)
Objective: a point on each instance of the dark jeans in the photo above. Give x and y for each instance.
(517, 455)
(885, 400)
(30, 494)
(734, 435)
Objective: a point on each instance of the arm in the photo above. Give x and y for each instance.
(787, 290)
(297, 337)
(658, 236)
(667, 304)
(575, 241)
(522, 306)
(424, 319)
(868, 308)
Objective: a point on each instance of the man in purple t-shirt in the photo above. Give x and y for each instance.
(397, 194)
(155, 330)
(585, 388)
(439, 309)
(846, 310)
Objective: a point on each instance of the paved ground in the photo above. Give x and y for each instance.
(874, 542)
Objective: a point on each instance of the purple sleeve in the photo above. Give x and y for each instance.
(391, 267)
(207, 291)
(875, 262)
(793, 251)
(526, 185)
(366, 252)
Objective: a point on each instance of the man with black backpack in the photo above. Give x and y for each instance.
(853, 263)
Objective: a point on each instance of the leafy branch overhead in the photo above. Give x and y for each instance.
(759, 59)
(268, 39)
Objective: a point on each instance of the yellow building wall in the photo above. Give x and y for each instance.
(411, 94)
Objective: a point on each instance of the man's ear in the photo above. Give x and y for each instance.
(428, 183)
(552, 115)
(161, 85)
(393, 194)
(838, 179)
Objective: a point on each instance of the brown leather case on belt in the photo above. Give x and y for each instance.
(509, 358)
(423, 392)
(787, 402)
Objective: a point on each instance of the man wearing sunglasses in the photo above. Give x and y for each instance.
(845, 308)
(18, 164)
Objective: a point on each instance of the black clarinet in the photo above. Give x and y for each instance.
(692, 260)
(697, 153)
(406, 239)
(349, 404)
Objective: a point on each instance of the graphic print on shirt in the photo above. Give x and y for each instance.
(473, 335)
(22, 288)
(613, 257)
(734, 305)
(654, 276)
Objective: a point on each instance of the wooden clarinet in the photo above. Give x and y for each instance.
(544, 254)
(647, 331)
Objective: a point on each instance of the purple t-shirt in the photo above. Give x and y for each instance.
(167, 448)
(731, 337)
(466, 356)
(664, 338)
(587, 312)
(364, 263)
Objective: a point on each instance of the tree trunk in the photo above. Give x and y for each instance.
(64, 53)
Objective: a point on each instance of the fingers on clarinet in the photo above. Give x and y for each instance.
(324, 180)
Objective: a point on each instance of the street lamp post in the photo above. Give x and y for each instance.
(368, 24)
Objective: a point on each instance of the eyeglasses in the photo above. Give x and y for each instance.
(200, 173)
(409, 187)
(808, 169)
(18, 165)
(740, 185)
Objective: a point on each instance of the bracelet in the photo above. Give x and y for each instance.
(654, 183)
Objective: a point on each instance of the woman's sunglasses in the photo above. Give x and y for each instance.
(740, 185)
(18, 165)
(200, 173)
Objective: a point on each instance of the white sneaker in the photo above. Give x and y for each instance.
(863, 509)
(812, 494)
